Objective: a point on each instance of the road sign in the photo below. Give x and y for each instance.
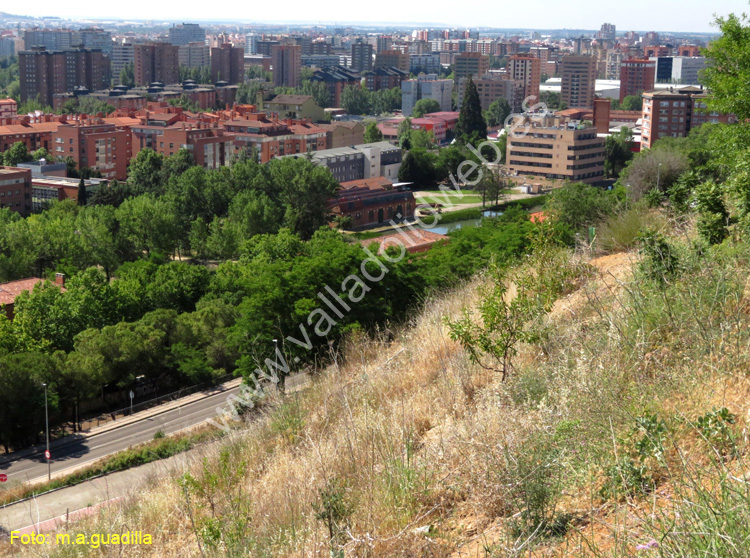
(132, 394)
(3, 477)
(47, 454)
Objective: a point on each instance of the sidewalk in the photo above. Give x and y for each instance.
(113, 425)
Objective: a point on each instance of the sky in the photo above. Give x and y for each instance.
(643, 15)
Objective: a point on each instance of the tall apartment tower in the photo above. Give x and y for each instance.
(383, 42)
(187, 33)
(362, 57)
(578, 80)
(287, 63)
(527, 70)
(228, 64)
(44, 74)
(636, 76)
(122, 53)
(608, 32)
(472, 64)
(156, 62)
(251, 40)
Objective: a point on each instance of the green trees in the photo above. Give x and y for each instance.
(418, 167)
(404, 133)
(617, 152)
(144, 172)
(372, 133)
(18, 153)
(425, 106)
(728, 71)
(497, 112)
(127, 75)
(355, 99)
(471, 127)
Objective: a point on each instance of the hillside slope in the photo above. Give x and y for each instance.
(620, 430)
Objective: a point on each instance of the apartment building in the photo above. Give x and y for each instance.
(472, 64)
(578, 80)
(8, 108)
(557, 152)
(187, 33)
(426, 87)
(196, 55)
(94, 144)
(44, 73)
(286, 61)
(15, 190)
(362, 57)
(528, 71)
(156, 62)
(674, 112)
(636, 76)
(490, 89)
(384, 78)
(392, 59)
(228, 64)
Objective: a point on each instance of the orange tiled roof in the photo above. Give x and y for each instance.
(10, 291)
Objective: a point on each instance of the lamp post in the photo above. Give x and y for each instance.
(46, 428)
(276, 360)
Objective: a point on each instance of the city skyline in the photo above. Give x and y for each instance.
(533, 14)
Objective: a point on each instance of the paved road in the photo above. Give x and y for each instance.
(75, 453)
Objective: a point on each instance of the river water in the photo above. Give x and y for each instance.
(449, 227)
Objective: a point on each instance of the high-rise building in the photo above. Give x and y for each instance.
(491, 89)
(51, 39)
(426, 87)
(472, 64)
(578, 81)
(361, 57)
(122, 54)
(44, 73)
(382, 43)
(7, 48)
(687, 69)
(156, 62)
(528, 71)
(228, 64)
(286, 61)
(636, 76)
(392, 59)
(608, 32)
(93, 38)
(194, 55)
(251, 40)
(187, 33)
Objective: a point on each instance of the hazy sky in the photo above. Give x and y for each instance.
(659, 15)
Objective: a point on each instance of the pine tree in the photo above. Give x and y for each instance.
(471, 125)
(82, 192)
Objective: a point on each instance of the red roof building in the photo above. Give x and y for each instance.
(9, 292)
(414, 240)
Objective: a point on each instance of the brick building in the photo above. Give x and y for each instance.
(372, 201)
(15, 190)
(286, 61)
(336, 79)
(392, 59)
(228, 64)
(384, 78)
(95, 144)
(156, 62)
(636, 76)
(44, 73)
(472, 64)
(528, 71)
(674, 112)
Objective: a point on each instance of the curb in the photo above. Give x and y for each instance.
(116, 425)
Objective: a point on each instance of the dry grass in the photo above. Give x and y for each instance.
(431, 451)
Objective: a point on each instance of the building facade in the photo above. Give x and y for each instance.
(228, 64)
(578, 81)
(636, 76)
(557, 152)
(286, 61)
(156, 62)
(528, 71)
(15, 190)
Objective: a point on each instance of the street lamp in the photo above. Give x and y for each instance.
(46, 427)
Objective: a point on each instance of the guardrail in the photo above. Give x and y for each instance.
(111, 416)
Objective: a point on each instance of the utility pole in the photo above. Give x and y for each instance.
(46, 427)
